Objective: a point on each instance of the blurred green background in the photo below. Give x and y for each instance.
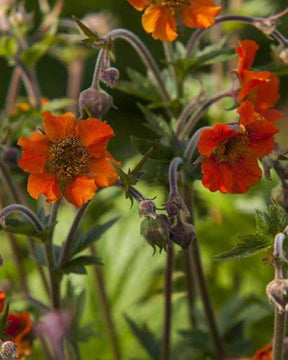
(133, 277)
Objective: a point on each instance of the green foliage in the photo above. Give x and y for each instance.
(23, 227)
(273, 221)
(31, 55)
(8, 46)
(78, 264)
(140, 86)
(248, 245)
(83, 240)
(146, 338)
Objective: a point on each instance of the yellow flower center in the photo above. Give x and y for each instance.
(230, 150)
(173, 4)
(68, 158)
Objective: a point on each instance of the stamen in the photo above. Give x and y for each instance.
(68, 158)
(230, 150)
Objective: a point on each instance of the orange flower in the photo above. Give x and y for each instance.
(231, 152)
(261, 88)
(2, 300)
(69, 158)
(159, 17)
(24, 106)
(19, 328)
(265, 353)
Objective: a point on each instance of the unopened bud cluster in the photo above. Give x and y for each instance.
(95, 103)
(156, 232)
(277, 291)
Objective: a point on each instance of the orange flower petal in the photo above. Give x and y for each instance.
(46, 184)
(35, 151)
(95, 135)
(20, 324)
(246, 52)
(265, 353)
(103, 172)
(58, 127)
(2, 300)
(139, 4)
(261, 139)
(272, 115)
(200, 13)
(235, 178)
(160, 21)
(81, 190)
(209, 138)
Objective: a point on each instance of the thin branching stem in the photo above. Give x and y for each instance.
(166, 339)
(254, 21)
(145, 56)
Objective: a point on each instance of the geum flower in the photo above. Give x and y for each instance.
(69, 158)
(159, 17)
(20, 329)
(231, 152)
(260, 88)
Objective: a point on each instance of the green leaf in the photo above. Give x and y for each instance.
(23, 227)
(140, 86)
(248, 245)
(92, 37)
(77, 265)
(145, 337)
(41, 256)
(31, 55)
(198, 339)
(83, 241)
(183, 66)
(8, 46)
(160, 151)
(273, 221)
(156, 123)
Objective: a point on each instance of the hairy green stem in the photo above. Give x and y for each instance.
(67, 246)
(166, 339)
(279, 334)
(195, 258)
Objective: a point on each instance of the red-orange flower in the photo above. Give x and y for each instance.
(2, 300)
(159, 17)
(265, 353)
(69, 158)
(261, 88)
(19, 328)
(231, 152)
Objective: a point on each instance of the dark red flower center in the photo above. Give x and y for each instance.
(173, 4)
(231, 149)
(68, 158)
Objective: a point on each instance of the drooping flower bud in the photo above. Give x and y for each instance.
(95, 103)
(156, 232)
(11, 156)
(182, 234)
(8, 350)
(175, 204)
(110, 76)
(277, 291)
(147, 208)
(283, 56)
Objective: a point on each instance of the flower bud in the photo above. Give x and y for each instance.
(175, 204)
(11, 156)
(8, 350)
(94, 102)
(283, 56)
(182, 234)
(147, 208)
(110, 76)
(156, 232)
(277, 291)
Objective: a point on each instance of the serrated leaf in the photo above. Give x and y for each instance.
(145, 337)
(156, 123)
(23, 227)
(83, 241)
(92, 37)
(139, 166)
(273, 221)
(248, 245)
(140, 86)
(77, 265)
